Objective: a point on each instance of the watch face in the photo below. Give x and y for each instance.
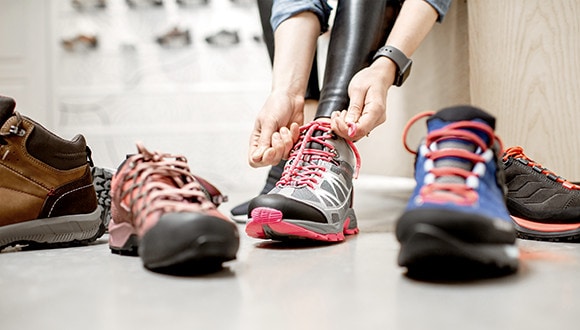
(405, 72)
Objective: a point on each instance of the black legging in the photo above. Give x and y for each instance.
(359, 29)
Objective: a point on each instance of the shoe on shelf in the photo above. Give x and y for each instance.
(82, 4)
(166, 215)
(81, 42)
(543, 205)
(240, 212)
(456, 224)
(175, 37)
(223, 38)
(135, 3)
(48, 199)
(313, 199)
(183, 3)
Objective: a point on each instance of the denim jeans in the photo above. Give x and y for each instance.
(284, 9)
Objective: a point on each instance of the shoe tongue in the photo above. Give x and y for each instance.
(453, 161)
(462, 113)
(7, 106)
(451, 115)
(454, 114)
(316, 145)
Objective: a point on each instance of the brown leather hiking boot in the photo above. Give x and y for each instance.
(47, 195)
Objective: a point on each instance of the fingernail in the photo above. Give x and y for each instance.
(351, 129)
(258, 153)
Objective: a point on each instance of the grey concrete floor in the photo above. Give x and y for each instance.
(352, 285)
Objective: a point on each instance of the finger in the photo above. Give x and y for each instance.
(295, 132)
(277, 151)
(356, 105)
(269, 157)
(373, 115)
(256, 151)
(339, 125)
(262, 137)
(287, 140)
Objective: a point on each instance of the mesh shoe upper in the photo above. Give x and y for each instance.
(456, 167)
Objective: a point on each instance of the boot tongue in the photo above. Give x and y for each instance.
(7, 106)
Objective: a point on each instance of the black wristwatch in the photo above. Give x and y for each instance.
(401, 60)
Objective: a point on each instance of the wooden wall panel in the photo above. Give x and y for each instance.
(524, 67)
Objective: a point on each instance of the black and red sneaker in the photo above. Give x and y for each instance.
(543, 205)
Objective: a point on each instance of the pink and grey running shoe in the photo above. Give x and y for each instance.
(166, 215)
(313, 198)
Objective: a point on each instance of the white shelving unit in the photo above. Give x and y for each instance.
(199, 100)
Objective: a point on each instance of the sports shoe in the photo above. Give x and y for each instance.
(313, 199)
(456, 223)
(240, 213)
(47, 195)
(543, 205)
(102, 181)
(223, 38)
(166, 215)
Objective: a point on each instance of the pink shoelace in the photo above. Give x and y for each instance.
(304, 169)
(160, 182)
(463, 193)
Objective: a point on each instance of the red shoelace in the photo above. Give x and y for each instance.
(461, 193)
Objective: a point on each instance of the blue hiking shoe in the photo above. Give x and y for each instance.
(456, 224)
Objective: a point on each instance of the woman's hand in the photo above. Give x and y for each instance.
(368, 101)
(276, 129)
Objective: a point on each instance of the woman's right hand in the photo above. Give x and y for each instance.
(276, 129)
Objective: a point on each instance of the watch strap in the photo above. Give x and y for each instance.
(400, 59)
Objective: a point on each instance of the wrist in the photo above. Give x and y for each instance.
(387, 68)
(399, 59)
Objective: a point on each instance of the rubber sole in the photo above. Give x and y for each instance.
(268, 223)
(429, 252)
(102, 182)
(179, 241)
(533, 230)
(71, 230)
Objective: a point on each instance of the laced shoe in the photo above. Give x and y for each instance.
(313, 198)
(46, 190)
(166, 215)
(543, 205)
(456, 222)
